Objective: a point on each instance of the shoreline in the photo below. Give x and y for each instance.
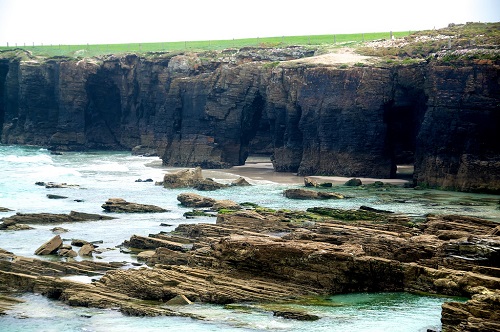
(264, 171)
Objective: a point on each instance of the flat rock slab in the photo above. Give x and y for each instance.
(121, 205)
(311, 194)
(50, 247)
(47, 218)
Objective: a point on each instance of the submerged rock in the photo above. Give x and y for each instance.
(297, 315)
(311, 194)
(240, 182)
(354, 182)
(121, 205)
(52, 196)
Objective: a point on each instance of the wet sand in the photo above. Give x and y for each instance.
(261, 169)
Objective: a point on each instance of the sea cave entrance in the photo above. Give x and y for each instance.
(403, 123)
(255, 138)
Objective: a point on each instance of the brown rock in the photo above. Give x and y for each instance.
(78, 242)
(308, 182)
(121, 205)
(208, 185)
(183, 179)
(86, 250)
(195, 200)
(179, 300)
(50, 247)
(225, 204)
(310, 194)
(67, 253)
(145, 255)
(240, 182)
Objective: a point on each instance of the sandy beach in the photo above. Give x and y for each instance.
(261, 169)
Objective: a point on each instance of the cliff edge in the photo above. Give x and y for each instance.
(433, 103)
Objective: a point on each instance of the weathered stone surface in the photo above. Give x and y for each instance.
(78, 242)
(121, 205)
(183, 178)
(86, 250)
(179, 300)
(225, 204)
(3, 209)
(67, 253)
(240, 182)
(239, 260)
(42, 218)
(208, 184)
(50, 247)
(215, 113)
(310, 194)
(354, 182)
(195, 200)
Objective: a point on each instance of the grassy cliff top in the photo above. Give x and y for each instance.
(461, 41)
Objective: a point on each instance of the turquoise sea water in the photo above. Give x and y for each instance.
(103, 175)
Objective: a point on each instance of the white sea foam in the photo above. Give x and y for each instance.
(38, 159)
(106, 167)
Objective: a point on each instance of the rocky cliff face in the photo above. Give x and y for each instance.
(195, 110)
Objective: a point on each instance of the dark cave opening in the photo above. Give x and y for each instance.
(255, 138)
(103, 113)
(403, 123)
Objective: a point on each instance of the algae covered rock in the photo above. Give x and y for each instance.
(311, 194)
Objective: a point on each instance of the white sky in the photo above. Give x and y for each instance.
(124, 21)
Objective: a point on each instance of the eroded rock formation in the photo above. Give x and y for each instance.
(200, 110)
(278, 256)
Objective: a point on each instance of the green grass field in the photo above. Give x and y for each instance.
(95, 50)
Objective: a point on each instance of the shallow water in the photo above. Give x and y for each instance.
(364, 312)
(103, 175)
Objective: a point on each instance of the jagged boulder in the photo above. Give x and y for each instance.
(209, 185)
(195, 200)
(121, 205)
(50, 247)
(183, 178)
(86, 250)
(67, 252)
(240, 182)
(310, 194)
(225, 204)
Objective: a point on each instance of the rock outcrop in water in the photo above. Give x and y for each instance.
(213, 109)
(280, 256)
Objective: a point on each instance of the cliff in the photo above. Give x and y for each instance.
(214, 109)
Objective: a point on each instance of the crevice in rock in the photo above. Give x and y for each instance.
(4, 69)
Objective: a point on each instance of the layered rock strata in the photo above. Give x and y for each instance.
(279, 256)
(212, 111)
